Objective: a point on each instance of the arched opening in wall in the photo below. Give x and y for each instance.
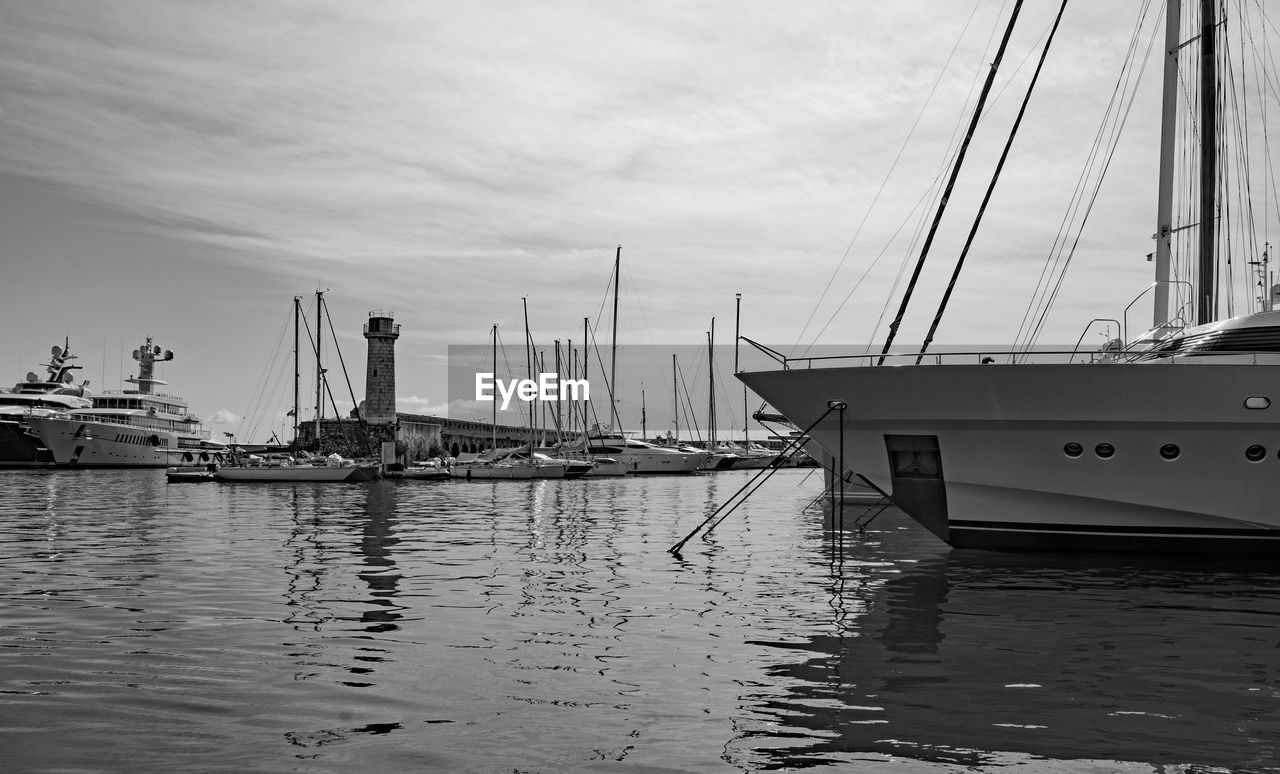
(453, 450)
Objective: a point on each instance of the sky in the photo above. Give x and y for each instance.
(181, 170)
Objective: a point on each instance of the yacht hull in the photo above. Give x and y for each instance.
(1160, 456)
(20, 448)
(88, 444)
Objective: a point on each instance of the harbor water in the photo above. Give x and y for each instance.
(542, 626)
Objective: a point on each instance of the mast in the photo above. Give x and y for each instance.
(711, 386)
(644, 432)
(737, 320)
(559, 403)
(675, 394)
(297, 372)
(319, 369)
(573, 368)
(1168, 159)
(528, 349)
(1206, 310)
(613, 351)
(493, 443)
(586, 362)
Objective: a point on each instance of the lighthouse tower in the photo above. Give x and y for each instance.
(380, 369)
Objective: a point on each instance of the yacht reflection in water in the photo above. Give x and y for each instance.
(984, 659)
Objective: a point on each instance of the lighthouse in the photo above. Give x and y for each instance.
(381, 332)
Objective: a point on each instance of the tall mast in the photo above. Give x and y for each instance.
(319, 369)
(711, 386)
(644, 432)
(675, 394)
(586, 365)
(737, 321)
(573, 374)
(560, 403)
(297, 371)
(613, 351)
(1168, 159)
(528, 348)
(493, 443)
(1207, 307)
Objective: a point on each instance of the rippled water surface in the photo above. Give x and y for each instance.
(543, 627)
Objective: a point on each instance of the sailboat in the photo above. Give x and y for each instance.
(635, 455)
(1167, 443)
(298, 465)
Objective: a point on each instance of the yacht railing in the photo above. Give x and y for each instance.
(135, 393)
(1005, 357)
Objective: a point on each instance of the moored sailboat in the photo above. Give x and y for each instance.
(297, 465)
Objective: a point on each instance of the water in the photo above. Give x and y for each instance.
(543, 627)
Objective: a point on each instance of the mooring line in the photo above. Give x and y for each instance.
(766, 472)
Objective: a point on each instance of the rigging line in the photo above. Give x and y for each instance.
(955, 173)
(675, 549)
(932, 194)
(364, 427)
(1244, 145)
(929, 200)
(608, 388)
(1115, 141)
(1055, 255)
(1266, 143)
(604, 299)
(259, 394)
(1093, 197)
(883, 182)
(1054, 263)
(691, 416)
(1004, 155)
(1078, 211)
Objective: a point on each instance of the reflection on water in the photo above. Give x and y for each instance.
(977, 659)
(542, 626)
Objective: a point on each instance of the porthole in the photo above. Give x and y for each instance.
(1255, 453)
(1170, 451)
(1257, 402)
(1104, 450)
(1073, 450)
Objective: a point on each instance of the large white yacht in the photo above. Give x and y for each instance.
(1170, 443)
(138, 428)
(19, 447)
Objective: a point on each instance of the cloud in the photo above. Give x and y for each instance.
(224, 417)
